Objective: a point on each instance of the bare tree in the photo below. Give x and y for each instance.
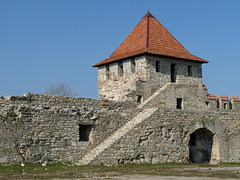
(60, 90)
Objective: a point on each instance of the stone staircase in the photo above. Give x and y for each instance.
(154, 95)
(140, 117)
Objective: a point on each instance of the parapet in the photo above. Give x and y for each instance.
(234, 98)
(223, 102)
(212, 97)
(223, 98)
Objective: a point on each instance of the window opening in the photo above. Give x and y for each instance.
(179, 103)
(120, 65)
(225, 105)
(157, 66)
(85, 132)
(189, 70)
(107, 71)
(139, 99)
(133, 65)
(230, 105)
(207, 103)
(173, 73)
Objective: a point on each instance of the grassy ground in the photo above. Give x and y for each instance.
(68, 170)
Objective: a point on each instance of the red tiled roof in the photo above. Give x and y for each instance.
(212, 96)
(150, 36)
(234, 98)
(223, 98)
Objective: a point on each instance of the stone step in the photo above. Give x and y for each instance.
(116, 136)
(153, 95)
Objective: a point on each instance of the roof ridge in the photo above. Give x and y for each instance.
(147, 43)
(150, 36)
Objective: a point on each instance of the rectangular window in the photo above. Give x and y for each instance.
(133, 65)
(157, 66)
(107, 71)
(179, 103)
(189, 70)
(225, 105)
(85, 132)
(139, 98)
(120, 69)
(173, 73)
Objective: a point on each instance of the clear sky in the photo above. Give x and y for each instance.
(45, 42)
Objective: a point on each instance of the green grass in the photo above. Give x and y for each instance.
(69, 170)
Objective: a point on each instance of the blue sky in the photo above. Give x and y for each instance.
(45, 42)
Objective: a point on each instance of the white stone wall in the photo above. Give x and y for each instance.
(144, 80)
(117, 87)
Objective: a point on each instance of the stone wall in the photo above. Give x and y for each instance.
(165, 136)
(37, 128)
(34, 128)
(143, 80)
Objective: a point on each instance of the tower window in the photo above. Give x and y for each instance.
(120, 69)
(133, 65)
(107, 71)
(157, 66)
(173, 73)
(179, 103)
(189, 70)
(139, 98)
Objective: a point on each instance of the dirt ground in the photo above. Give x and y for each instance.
(150, 177)
(157, 177)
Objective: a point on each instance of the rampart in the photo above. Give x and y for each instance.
(38, 128)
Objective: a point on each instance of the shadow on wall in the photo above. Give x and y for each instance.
(200, 146)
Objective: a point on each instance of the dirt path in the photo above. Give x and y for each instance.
(150, 177)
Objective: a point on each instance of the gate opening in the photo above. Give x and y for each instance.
(200, 146)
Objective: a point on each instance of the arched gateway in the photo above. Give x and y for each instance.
(200, 146)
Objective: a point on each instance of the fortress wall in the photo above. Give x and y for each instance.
(36, 128)
(164, 137)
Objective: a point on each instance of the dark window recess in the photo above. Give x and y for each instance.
(230, 105)
(179, 103)
(173, 73)
(133, 65)
(120, 65)
(225, 105)
(157, 66)
(207, 103)
(107, 71)
(218, 104)
(189, 70)
(85, 132)
(139, 99)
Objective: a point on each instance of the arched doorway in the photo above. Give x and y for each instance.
(200, 146)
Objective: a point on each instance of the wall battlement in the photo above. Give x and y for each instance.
(223, 102)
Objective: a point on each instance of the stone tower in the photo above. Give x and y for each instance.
(148, 59)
